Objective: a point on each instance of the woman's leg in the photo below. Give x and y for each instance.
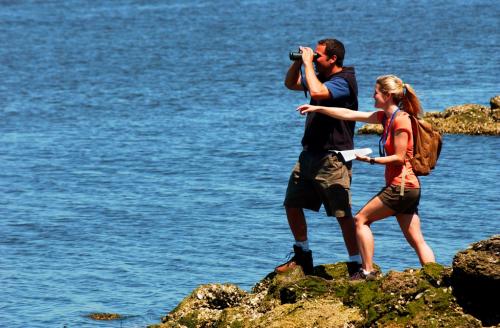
(410, 225)
(374, 210)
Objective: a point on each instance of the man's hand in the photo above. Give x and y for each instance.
(307, 55)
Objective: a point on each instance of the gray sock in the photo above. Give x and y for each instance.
(302, 244)
(355, 258)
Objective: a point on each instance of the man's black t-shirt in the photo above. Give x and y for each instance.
(322, 132)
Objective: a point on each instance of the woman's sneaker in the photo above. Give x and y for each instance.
(361, 275)
(300, 258)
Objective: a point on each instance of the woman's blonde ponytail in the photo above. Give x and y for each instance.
(410, 101)
(402, 94)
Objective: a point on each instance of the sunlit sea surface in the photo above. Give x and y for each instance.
(146, 145)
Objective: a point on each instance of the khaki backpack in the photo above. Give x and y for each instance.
(427, 144)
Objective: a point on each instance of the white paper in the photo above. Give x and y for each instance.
(349, 155)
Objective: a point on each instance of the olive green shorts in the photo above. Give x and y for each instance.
(406, 204)
(320, 178)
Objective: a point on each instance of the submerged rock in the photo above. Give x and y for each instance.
(433, 296)
(104, 316)
(463, 119)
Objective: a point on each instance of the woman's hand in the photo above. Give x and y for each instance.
(304, 109)
(363, 158)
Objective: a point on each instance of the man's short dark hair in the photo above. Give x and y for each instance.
(334, 47)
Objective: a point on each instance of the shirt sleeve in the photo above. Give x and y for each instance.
(338, 87)
(402, 122)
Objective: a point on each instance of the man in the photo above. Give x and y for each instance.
(321, 176)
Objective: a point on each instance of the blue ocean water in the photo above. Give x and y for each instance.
(146, 145)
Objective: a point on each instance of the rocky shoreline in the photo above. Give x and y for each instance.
(471, 119)
(463, 295)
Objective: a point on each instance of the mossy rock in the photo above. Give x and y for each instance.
(401, 299)
(412, 298)
(317, 313)
(466, 119)
(495, 108)
(402, 283)
(472, 119)
(306, 288)
(371, 129)
(204, 306)
(436, 274)
(495, 102)
(332, 271)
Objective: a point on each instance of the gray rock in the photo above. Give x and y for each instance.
(476, 280)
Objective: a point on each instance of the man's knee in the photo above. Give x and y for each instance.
(345, 218)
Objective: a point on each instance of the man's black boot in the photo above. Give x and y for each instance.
(301, 258)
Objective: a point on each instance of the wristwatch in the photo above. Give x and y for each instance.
(372, 161)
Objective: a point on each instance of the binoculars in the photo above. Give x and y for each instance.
(297, 55)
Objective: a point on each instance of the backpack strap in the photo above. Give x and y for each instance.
(387, 129)
(402, 191)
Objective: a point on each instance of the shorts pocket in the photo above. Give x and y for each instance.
(335, 173)
(334, 162)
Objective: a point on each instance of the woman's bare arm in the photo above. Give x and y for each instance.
(340, 113)
(400, 144)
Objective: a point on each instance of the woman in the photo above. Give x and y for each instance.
(401, 194)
